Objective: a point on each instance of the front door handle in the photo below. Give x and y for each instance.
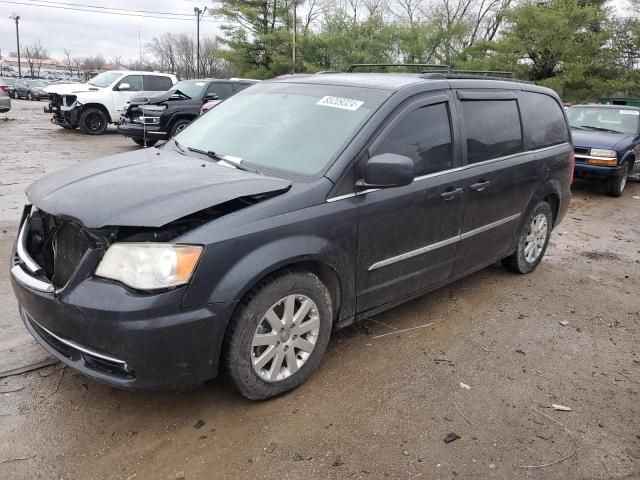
(479, 186)
(452, 193)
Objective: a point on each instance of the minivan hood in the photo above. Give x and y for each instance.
(596, 139)
(145, 188)
(68, 88)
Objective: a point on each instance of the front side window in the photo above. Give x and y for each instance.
(222, 90)
(604, 119)
(290, 129)
(493, 129)
(425, 136)
(134, 81)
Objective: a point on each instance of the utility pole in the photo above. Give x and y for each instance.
(17, 18)
(295, 25)
(199, 14)
(139, 50)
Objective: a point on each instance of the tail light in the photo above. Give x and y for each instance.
(573, 166)
(4, 89)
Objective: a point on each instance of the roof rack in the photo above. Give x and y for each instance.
(425, 66)
(485, 73)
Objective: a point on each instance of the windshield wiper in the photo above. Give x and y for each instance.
(600, 129)
(220, 158)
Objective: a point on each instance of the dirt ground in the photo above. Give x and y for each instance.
(377, 407)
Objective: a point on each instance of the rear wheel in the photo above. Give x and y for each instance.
(278, 335)
(142, 143)
(533, 240)
(615, 185)
(93, 121)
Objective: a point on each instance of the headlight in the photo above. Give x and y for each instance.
(600, 152)
(149, 266)
(154, 108)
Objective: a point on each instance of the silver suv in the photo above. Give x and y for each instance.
(5, 100)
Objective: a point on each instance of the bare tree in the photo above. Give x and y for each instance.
(67, 61)
(77, 63)
(35, 54)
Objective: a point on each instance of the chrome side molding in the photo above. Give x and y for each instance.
(443, 243)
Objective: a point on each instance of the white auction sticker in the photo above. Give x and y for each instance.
(343, 103)
(630, 112)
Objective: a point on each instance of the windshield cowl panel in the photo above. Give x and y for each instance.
(291, 130)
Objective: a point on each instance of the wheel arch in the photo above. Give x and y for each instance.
(322, 269)
(100, 107)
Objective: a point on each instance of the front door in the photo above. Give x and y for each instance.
(499, 176)
(120, 97)
(407, 236)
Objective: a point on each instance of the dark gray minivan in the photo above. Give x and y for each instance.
(293, 208)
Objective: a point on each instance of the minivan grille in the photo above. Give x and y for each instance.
(70, 245)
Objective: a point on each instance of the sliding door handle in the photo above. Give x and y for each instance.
(452, 193)
(479, 186)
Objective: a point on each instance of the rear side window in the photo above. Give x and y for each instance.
(154, 83)
(493, 129)
(425, 136)
(543, 119)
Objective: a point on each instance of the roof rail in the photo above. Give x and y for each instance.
(439, 67)
(493, 73)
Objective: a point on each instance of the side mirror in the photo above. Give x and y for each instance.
(387, 170)
(210, 96)
(124, 86)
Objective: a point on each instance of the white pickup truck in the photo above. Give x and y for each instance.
(93, 105)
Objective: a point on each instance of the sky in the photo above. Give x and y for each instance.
(88, 34)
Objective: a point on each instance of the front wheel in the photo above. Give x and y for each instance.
(278, 335)
(533, 240)
(178, 126)
(93, 121)
(615, 185)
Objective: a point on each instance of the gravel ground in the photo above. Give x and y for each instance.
(377, 407)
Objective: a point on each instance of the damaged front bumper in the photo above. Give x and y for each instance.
(65, 112)
(114, 334)
(153, 131)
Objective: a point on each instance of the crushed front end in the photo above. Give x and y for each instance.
(104, 329)
(65, 110)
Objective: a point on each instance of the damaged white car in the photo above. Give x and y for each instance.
(93, 105)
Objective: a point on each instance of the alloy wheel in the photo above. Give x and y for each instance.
(94, 122)
(536, 237)
(285, 337)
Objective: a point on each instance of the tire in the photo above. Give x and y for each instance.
(142, 143)
(531, 237)
(241, 358)
(93, 121)
(615, 185)
(179, 125)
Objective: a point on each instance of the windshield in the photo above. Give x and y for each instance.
(104, 79)
(286, 127)
(190, 88)
(614, 120)
(37, 83)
